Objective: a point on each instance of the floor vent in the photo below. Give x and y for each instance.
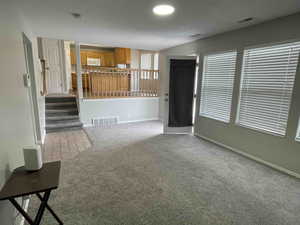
(104, 121)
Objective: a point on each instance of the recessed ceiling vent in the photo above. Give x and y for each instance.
(195, 35)
(246, 20)
(76, 15)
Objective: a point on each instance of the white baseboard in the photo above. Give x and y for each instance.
(128, 121)
(136, 121)
(119, 99)
(41, 142)
(276, 167)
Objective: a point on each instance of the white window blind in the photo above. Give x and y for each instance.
(146, 61)
(298, 132)
(156, 60)
(266, 87)
(217, 85)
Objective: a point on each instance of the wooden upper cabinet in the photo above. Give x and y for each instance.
(107, 58)
(83, 57)
(122, 55)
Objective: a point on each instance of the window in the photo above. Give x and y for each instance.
(266, 87)
(122, 66)
(93, 61)
(156, 59)
(217, 86)
(146, 61)
(149, 61)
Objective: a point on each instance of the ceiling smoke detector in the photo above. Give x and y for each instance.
(163, 10)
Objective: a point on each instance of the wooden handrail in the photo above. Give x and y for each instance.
(43, 64)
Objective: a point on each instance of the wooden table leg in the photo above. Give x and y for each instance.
(50, 210)
(42, 208)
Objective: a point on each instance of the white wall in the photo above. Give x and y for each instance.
(282, 152)
(16, 128)
(126, 109)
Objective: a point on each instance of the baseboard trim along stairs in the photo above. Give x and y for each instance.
(62, 114)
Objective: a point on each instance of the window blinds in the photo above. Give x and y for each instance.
(146, 61)
(266, 87)
(217, 85)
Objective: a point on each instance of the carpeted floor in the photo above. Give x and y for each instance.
(134, 175)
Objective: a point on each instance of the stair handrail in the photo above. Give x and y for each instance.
(43, 64)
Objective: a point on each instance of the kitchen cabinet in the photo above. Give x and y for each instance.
(122, 55)
(107, 58)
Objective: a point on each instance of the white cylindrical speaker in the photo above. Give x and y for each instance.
(33, 158)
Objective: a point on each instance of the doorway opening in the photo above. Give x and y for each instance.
(32, 86)
(180, 95)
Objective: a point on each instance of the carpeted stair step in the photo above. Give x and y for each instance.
(60, 99)
(50, 119)
(61, 112)
(53, 122)
(59, 105)
(63, 126)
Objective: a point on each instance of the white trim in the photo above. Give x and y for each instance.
(43, 136)
(178, 130)
(136, 121)
(118, 99)
(276, 167)
(127, 121)
(41, 142)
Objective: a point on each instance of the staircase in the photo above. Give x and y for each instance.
(61, 113)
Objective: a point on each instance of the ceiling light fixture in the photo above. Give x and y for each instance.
(163, 10)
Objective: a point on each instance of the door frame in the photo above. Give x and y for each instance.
(166, 128)
(29, 61)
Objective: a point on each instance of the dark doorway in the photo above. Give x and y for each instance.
(181, 92)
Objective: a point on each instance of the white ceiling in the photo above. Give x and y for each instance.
(131, 23)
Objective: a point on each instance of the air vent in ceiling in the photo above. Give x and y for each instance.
(76, 15)
(195, 35)
(246, 20)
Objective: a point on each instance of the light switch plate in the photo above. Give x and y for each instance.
(26, 80)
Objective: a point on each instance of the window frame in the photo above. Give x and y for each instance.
(269, 44)
(204, 56)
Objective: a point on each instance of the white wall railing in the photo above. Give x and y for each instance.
(106, 82)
